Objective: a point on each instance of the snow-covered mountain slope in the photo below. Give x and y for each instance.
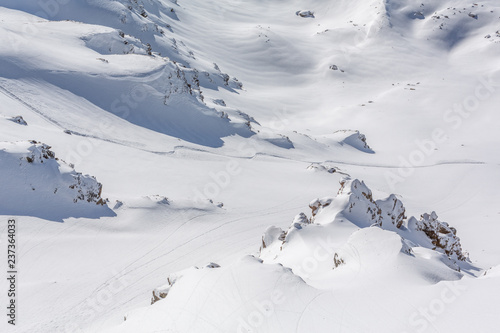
(306, 276)
(207, 123)
(104, 66)
(41, 185)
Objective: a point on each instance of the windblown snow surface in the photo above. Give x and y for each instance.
(251, 166)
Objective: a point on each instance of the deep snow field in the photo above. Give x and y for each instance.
(251, 165)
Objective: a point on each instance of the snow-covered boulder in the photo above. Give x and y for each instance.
(317, 204)
(321, 167)
(120, 42)
(227, 299)
(272, 235)
(305, 13)
(162, 291)
(334, 220)
(354, 139)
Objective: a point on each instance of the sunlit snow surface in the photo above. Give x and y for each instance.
(211, 125)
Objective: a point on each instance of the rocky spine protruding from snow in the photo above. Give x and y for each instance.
(441, 235)
(364, 211)
(354, 203)
(87, 188)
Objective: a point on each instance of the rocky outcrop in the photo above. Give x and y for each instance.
(361, 209)
(317, 204)
(271, 235)
(354, 139)
(45, 175)
(441, 235)
(324, 168)
(305, 13)
(275, 236)
(39, 152)
(162, 292)
(85, 187)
